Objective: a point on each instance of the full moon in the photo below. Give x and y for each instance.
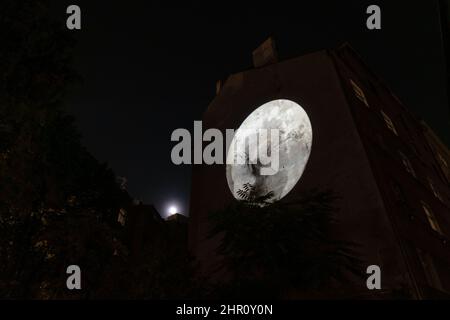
(295, 140)
(173, 210)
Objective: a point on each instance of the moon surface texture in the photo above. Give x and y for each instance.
(294, 148)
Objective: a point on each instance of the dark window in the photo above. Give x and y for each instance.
(389, 122)
(398, 192)
(407, 164)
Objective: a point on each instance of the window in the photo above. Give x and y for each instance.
(430, 270)
(431, 218)
(442, 161)
(433, 189)
(359, 93)
(122, 217)
(408, 165)
(398, 192)
(389, 123)
(444, 165)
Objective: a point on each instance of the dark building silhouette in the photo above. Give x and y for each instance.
(146, 232)
(142, 228)
(177, 231)
(388, 168)
(177, 218)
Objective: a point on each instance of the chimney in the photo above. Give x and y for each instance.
(265, 54)
(218, 86)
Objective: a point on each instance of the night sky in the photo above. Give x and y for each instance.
(149, 69)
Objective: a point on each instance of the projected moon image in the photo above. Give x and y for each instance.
(293, 147)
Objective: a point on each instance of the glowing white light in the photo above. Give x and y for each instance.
(173, 210)
(294, 147)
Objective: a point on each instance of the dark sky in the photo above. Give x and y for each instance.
(149, 69)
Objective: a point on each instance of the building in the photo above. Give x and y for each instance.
(388, 167)
(177, 218)
(142, 228)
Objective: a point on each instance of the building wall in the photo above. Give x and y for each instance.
(338, 161)
(403, 192)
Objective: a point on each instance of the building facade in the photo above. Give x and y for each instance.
(387, 167)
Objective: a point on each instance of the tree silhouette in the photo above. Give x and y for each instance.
(269, 248)
(43, 165)
(250, 195)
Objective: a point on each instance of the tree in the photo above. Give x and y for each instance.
(269, 248)
(57, 202)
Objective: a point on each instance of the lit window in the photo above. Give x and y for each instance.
(407, 164)
(430, 270)
(122, 217)
(442, 161)
(444, 165)
(433, 188)
(431, 218)
(389, 122)
(359, 93)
